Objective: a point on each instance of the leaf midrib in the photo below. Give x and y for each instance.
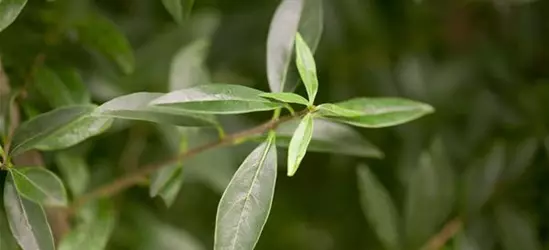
(33, 183)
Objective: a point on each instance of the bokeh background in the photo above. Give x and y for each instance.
(481, 63)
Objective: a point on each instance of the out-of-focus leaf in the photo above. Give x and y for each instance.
(286, 97)
(378, 207)
(246, 203)
(137, 106)
(61, 87)
(7, 242)
(74, 170)
(481, 178)
(100, 34)
(520, 157)
(330, 137)
(306, 66)
(187, 69)
(478, 234)
(516, 231)
(9, 10)
(430, 197)
(216, 99)
(311, 23)
(39, 185)
(94, 233)
(284, 26)
(382, 112)
(299, 143)
(179, 9)
(57, 129)
(27, 220)
(167, 181)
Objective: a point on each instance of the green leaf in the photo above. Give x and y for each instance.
(59, 128)
(9, 10)
(74, 170)
(137, 106)
(61, 86)
(379, 208)
(246, 203)
(280, 41)
(27, 220)
(179, 9)
(430, 197)
(39, 185)
(381, 112)
(7, 242)
(299, 143)
(286, 97)
(516, 230)
(216, 99)
(187, 68)
(100, 34)
(167, 181)
(95, 233)
(330, 137)
(481, 178)
(306, 66)
(328, 109)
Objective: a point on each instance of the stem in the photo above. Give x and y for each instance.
(449, 230)
(135, 178)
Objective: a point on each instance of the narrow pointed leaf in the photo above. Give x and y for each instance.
(137, 106)
(328, 109)
(246, 203)
(100, 34)
(61, 87)
(284, 26)
(216, 99)
(378, 207)
(74, 171)
(9, 10)
(299, 143)
(27, 220)
(286, 97)
(381, 112)
(330, 137)
(187, 68)
(95, 233)
(7, 242)
(167, 181)
(179, 9)
(306, 66)
(516, 230)
(39, 185)
(59, 128)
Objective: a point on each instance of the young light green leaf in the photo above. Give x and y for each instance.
(7, 242)
(74, 170)
(299, 143)
(187, 68)
(137, 106)
(280, 41)
(59, 128)
(382, 112)
(179, 9)
(39, 185)
(27, 220)
(216, 99)
(100, 34)
(379, 208)
(61, 87)
(516, 230)
(9, 10)
(330, 137)
(328, 109)
(286, 97)
(306, 66)
(93, 234)
(246, 203)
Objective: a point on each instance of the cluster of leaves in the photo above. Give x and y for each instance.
(246, 202)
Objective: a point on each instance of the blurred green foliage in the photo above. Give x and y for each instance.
(481, 157)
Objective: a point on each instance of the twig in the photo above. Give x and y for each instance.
(136, 177)
(449, 230)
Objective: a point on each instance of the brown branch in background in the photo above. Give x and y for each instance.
(135, 178)
(449, 230)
